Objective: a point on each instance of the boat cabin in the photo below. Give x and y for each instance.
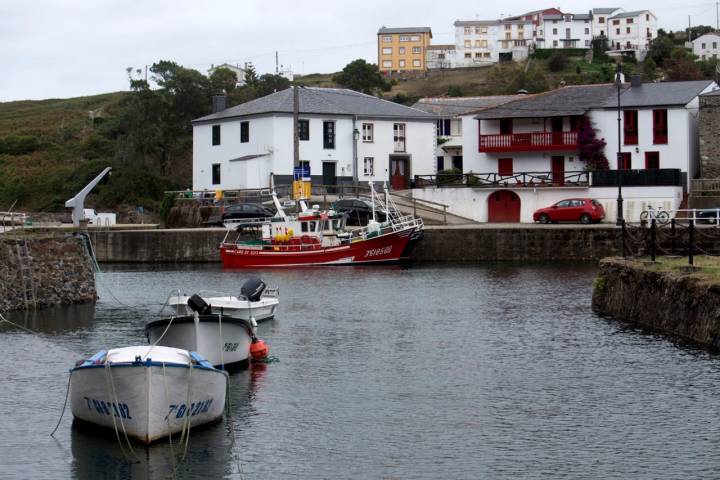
(308, 229)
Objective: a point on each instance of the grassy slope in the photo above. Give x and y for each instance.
(42, 179)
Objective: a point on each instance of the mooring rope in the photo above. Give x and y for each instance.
(67, 394)
(108, 374)
(167, 400)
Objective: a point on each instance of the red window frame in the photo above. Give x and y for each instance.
(652, 160)
(630, 127)
(660, 129)
(505, 166)
(625, 161)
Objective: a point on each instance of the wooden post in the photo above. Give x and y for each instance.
(691, 232)
(653, 238)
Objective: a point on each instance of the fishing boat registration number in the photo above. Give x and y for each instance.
(378, 251)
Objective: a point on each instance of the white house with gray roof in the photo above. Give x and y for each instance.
(345, 137)
(632, 32)
(524, 154)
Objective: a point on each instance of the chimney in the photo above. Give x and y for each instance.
(218, 102)
(635, 80)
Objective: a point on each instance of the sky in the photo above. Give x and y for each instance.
(60, 49)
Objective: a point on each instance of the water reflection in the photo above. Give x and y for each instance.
(54, 319)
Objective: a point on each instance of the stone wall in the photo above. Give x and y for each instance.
(708, 122)
(681, 305)
(440, 244)
(61, 270)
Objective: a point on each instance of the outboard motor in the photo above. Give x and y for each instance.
(197, 304)
(252, 289)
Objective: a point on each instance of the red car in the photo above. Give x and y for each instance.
(583, 210)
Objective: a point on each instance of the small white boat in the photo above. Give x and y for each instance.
(147, 392)
(255, 301)
(224, 341)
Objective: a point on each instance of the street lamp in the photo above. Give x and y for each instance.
(618, 83)
(356, 137)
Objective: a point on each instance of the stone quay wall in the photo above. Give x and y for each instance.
(61, 268)
(708, 122)
(439, 245)
(679, 305)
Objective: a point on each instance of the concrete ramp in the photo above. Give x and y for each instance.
(432, 213)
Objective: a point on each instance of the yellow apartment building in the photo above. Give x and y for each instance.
(403, 49)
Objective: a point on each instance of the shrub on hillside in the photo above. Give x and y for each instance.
(454, 91)
(18, 144)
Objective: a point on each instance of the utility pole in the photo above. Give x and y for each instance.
(717, 17)
(689, 31)
(620, 166)
(296, 122)
(145, 73)
(276, 63)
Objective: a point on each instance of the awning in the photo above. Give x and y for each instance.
(248, 157)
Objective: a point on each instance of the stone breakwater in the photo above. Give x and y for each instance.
(61, 269)
(683, 305)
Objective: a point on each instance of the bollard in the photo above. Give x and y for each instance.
(691, 232)
(653, 226)
(672, 236)
(624, 232)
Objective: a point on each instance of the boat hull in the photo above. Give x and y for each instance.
(386, 248)
(222, 340)
(149, 403)
(263, 309)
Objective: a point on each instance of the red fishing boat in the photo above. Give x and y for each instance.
(315, 237)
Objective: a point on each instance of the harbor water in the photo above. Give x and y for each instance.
(441, 371)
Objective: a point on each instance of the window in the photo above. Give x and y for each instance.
(520, 34)
(440, 163)
(456, 127)
(567, 18)
(631, 127)
(617, 31)
(601, 19)
(468, 44)
(506, 126)
(702, 45)
(486, 54)
(467, 31)
(629, 21)
(404, 38)
(647, 17)
(416, 63)
(387, 64)
(457, 162)
(483, 30)
(402, 63)
(328, 135)
(216, 174)
(508, 26)
(505, 166)
(555, 43)
(652, 160)
(587, 31)
(399, 137)
(402, 50)
(478, 55)
(554, 31)
(554, 22)
(443, 127)
(387, 39)
(483, 44)
(415, 38)
(441, 56)
(244, 132)
(304, 129)
(625, 161)
(602, 33)
(627, 30)
(387, 51)
(468, 55)
(520, 26)
(660, 130)
(508, 36)
(477, 43)
(367, 132)
(714, 45)
(416, 50)
(587, 43)
(369, 168)
(616, 22)
(216, 134)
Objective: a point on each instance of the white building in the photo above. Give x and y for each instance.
(440, 57)
(632, 32)
(239, 72)
(600, 20)
(476, 42)
(566, 30)
(707, 46)
(524, 154)
(345, 137)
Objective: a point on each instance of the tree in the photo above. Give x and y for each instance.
(679, 69)
(454, 91)
(592, 149)
(599, 48)
(251, 77)
(699, 31)
(557, 62)
(362, 77)
(270, 83)
(223, 80)
(660, 49)
(649, 68)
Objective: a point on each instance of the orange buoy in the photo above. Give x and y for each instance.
(258, 349)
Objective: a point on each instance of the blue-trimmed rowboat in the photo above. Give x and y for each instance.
(147, 392)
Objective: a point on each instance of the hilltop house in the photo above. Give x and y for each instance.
(524, 154)
(239, 72)
(707, 46)
(345, 137)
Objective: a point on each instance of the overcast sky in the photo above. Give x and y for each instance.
(67, 48)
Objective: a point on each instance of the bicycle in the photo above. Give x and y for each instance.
(659, 215)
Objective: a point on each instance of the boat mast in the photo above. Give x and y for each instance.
(276, 202)
(372, 199)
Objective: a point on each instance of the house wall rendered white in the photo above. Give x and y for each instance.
(555, 30)
(601, 29)
(707, 46)
(643, 30)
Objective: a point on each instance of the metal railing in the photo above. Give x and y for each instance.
(672, 239)
(497, 180)
(705, 186)
(528, 141)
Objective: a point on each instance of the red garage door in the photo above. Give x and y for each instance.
(504, 206)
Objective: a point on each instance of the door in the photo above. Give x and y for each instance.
(504, 207)
(557, 129)
(505, 167)
(561, 211)
(558, 170)
(329, 176)
(399, 173)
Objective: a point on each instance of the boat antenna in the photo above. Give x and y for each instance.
(276, 202)
(372, 199)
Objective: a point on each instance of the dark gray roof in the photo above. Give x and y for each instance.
(605, 11)
(582, 16)
(577, 100)
(661, 93)
(476, 23)
(330, 101)
(405, 30)
(630, 14)
(452, 106)
(441, 47)
(560, 16)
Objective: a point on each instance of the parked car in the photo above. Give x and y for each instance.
(358, 210)
(708, 215)
(246, 210)
(584, 210)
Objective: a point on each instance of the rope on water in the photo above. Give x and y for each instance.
(108, 375)
(67, 394)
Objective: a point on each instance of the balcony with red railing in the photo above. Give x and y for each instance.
(529, 142)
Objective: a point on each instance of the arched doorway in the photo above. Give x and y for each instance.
(504, 206)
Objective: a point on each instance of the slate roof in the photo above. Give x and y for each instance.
(330, 101)
(441, 47)
(577, 100)
(405, 30)
(476, 23)
(604, 11)
(452, 106)
(630, 14)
